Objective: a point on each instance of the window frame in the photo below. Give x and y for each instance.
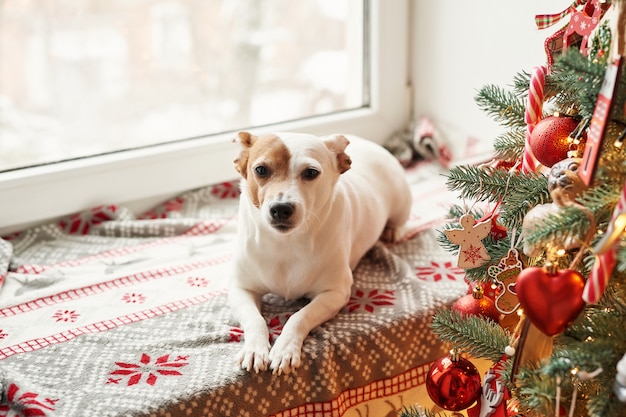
(141, 178)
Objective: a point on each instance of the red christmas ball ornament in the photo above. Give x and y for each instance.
(453, 383)
(476, 304)
(549, 140)
(551, 299)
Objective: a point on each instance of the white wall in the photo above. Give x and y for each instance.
(460, 46)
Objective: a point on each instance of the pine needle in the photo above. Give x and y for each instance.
(479, 337)
(503, 106)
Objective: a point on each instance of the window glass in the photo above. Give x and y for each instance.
(85, 77)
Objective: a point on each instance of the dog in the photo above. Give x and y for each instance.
(310, 208)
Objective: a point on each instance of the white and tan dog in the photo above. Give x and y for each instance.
(308, 213)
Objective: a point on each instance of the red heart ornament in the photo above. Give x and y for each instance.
(551, 300)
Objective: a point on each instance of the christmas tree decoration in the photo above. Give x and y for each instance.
(476, 304)
(582, 23)
(564, 184)
(497, 231)
(534, 220)
(492, 402)
(505, 274)
(453, 383)
(601, 42)
(550, 139)
(533, 114)
(551, 299)
(605, 253)
(601, 115)
(472, 252)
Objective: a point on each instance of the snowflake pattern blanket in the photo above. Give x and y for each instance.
(105, 313)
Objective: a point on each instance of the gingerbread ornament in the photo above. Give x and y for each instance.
(505, 274)
(472, 251)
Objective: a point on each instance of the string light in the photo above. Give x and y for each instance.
(619, 142)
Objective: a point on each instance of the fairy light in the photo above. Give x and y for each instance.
(619, 142)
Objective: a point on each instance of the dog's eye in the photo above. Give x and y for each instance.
(310, 174)
(262, 171)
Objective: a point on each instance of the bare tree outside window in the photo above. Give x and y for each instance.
(85, 77)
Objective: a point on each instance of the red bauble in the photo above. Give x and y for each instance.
(472, 306)
(549, 139)
(551, 300)
(453, 384)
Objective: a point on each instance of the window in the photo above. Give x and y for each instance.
(132, 102)
(83, 78)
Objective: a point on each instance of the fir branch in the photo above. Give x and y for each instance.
(577, 81)
(503, 106)
(484, 184)
(521, 82)
(510, 145)
(474, 335)
(535, 392)
(525, 192)
(567, 223)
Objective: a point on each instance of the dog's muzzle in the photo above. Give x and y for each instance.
(281, 216)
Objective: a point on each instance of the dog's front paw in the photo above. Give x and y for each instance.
(254, 358)
(285, 355)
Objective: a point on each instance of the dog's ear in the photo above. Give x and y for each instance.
(246, 140)
(337, 144)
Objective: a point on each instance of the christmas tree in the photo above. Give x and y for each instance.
(540, 234)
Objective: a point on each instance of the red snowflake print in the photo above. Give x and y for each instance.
(3, 334)
(66, 316)
(436, 272)
(197, 282)
(133, 298)
(235, 334)
(371, 300)
(81, 223)
(473, 254)
(135, 372)
(276, 324)
(172, 206)
(25, 404)
(226, 190)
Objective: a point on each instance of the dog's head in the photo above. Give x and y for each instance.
(290, 177)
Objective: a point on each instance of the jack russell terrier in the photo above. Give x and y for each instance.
(310, 208)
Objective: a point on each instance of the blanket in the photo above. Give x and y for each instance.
(109, 313)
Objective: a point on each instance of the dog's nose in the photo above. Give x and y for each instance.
(281, 211)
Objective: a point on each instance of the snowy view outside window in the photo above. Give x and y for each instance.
(85, 77)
